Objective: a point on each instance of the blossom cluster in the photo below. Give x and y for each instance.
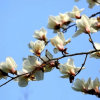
(87, 87)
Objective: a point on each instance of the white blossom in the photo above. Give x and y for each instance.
(37, 47)
(59, 41)
(40, 34)
(95, 23)
(23, 79)
(79, 85)
(60, 21)
(54, 22)
(11, 64)
(8, 66)
(30, 63)
(96, 85)
(84, 25)
(69, 68)
(76, 12)
(65, 19)
(96, 54)
(83, 86)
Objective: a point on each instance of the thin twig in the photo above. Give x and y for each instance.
(82, 65)
(65, 30)
(30, 73)
(6, 82)
(42, 59)
(92, 42)
(75, 54)
(13, 79)
(94, 14)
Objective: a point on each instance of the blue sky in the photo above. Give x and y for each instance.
(18, 21)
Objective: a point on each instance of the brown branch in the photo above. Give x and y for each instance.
(92, 41)
(42, 59)
(13, 79)
(65, 29)
(40, 68)
(6, 82)
(82, 65)
(30, 73)
(94, 14)
(75, 54)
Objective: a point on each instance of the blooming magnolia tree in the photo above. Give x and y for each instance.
(36, 65)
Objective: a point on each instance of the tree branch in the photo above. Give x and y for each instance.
(82, 65)
(94, 14)
(92, 41)
(75, 54)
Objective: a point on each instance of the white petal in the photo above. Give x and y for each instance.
(32, 60)
(61, 36)
(49, 55)
(97, 45)
(39, 75)
(23, 82)
(96, 83)
(94, 55)
(78, 32)
(92, 30)
(70, 62)
(11, 63)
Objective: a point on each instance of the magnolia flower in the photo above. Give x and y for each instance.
(79, 85)
(8, 66)
(37, 47)
(57, 22)
(92, 3)
(96, 85)
(59, 41)
(25, 77)
(54, 22)
(95, 23)
(30, 63)
(86, 87)
(84, 25)
(69, 69)
(76, 12)
(65, 19)
(29, 71)
(96, 54)
(40, 34)
(11, 64)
